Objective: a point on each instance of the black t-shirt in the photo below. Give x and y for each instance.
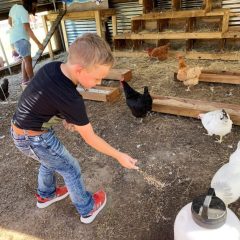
(50, 96)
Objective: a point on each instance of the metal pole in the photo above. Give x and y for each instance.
(5, 56)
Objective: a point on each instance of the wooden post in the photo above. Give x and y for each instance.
(176, 5)
(225, 22)
(44, 21)
(207, 5)
(64, 34)
(114, 24)
(98, 23)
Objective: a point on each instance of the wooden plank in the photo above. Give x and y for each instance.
(214, 56)
(225, 22)
(98, 23)
(83, 14)
(192, 108)
(46, 32)
(176, 5)
(100, 93)
(170, 35)
(207, 5)
(189, 55)
(119, 74)
(64, 31)
(217, 77)
(114, 25)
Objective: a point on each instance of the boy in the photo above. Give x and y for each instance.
(52, 92)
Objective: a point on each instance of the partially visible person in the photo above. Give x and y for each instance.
(21, 33)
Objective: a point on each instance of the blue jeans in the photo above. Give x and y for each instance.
(54, 157)
(23, 47)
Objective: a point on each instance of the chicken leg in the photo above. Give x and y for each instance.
(220, 140)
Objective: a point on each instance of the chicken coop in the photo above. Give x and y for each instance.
(202, 29)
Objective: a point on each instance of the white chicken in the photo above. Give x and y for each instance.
(226, 179)
(216, 122)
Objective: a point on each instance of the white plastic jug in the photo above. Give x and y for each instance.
(206, 218)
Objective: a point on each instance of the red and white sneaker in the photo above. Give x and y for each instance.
(61, 193)
(100, 199)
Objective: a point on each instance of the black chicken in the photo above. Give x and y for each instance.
(4, 89)
(138, 103)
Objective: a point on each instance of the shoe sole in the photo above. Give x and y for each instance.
(91, 218)
(46, 204)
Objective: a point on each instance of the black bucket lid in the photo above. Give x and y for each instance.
(209, 211)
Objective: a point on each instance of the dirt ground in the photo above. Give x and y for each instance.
(176, 159)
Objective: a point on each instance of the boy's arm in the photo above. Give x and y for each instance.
(100, 145)
(32, 35)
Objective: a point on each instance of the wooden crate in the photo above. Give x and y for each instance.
(119, 74)
(100, 93)
(192, 108)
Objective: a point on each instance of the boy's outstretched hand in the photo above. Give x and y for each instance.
(127, 161)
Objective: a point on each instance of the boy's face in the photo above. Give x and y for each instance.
(90, 77)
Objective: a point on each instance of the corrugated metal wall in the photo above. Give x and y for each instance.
(77, 28)
(234, 5)
(124, 13)
(162, 5)
(191, 4)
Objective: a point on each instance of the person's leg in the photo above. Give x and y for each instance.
(23, 48)
(46, 182)
(24, 73)
(28, 67)
(53, 155)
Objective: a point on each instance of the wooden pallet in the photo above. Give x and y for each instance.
(119, 74)
(192, 108)
(218, 77)
(100, 93)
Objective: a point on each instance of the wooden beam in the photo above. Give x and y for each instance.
(82, 15)
(98, 23)
(225, 22)
(228, 56)
(44, 21)
(218, 77)
(192, 108)
(64, 31)
(170, 35)
(189, 55)
(207, 5)
(119, 74)
(176, 4)
(100, 93)
(114, 25)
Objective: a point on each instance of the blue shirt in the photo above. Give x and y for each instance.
(19, 16)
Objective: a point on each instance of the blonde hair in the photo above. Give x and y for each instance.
(90, 49)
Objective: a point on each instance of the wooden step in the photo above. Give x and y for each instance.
(100, 93)
(217, 77)
(192, 108)
(119, 74)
